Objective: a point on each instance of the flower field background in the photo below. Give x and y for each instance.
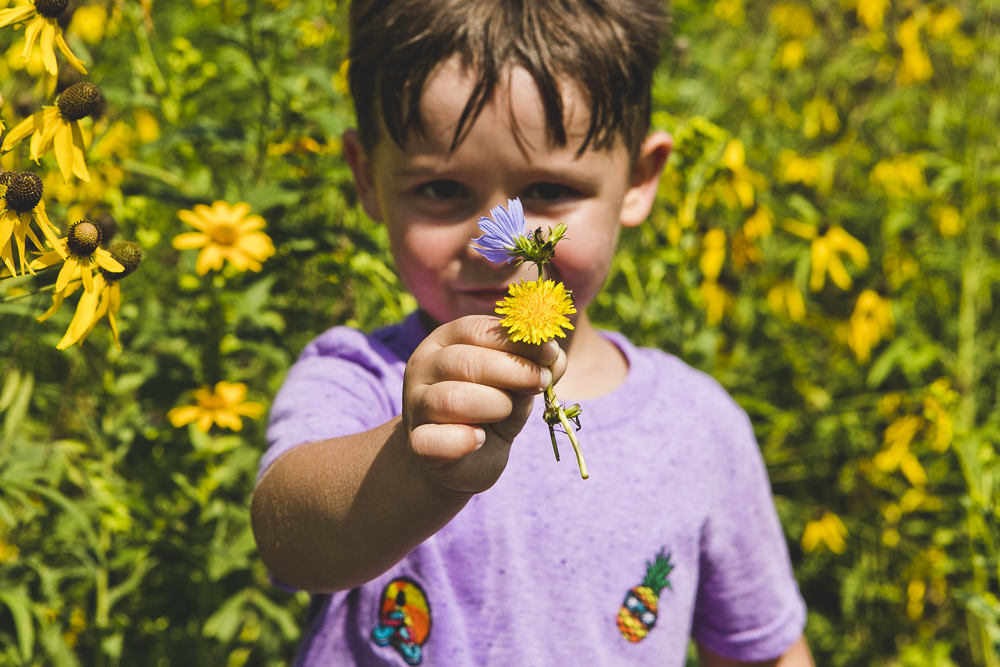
(826, 244)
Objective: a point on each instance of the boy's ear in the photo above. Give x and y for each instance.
(645, 177)
(361, 167)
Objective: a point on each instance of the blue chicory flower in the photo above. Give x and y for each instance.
(500, 233)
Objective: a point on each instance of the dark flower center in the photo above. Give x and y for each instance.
(79, 100)
(51, 8)
(128, 255)
(24, 190)
(84, 238)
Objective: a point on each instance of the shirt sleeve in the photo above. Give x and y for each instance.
(748, 605)
(339, 386)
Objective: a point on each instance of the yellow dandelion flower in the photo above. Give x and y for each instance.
(536, 311)
(21, 201)
(871, 322)
(82, 252)
(829, 530)
(58, 128)
(224, 406)
(225, 232)
(43, 28)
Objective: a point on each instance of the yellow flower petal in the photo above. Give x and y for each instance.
(536, 311)
(71, 265)
(189, 240)
(105, 260)
(62, 144)
(209, 258)
(183, 415)
(45, 44)
(16, 14)
(74, 62)
(79, 152)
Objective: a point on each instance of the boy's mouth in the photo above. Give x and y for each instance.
(486, 295)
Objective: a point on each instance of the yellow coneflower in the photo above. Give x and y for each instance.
(224, 406)
(82, 252)
(785, 297)
(58, 128)
(871, 322)
(225, 232)
(536, 311)
(43, 28)
(22, 201)
(827, 242)
(828, 530)
(105, 299)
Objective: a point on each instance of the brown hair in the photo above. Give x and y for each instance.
(610, 47)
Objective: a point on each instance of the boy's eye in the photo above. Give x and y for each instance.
(548, 192)
(443, 190)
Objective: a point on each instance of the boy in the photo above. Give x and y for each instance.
(394, 489)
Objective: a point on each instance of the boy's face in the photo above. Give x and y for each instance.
(431, 198)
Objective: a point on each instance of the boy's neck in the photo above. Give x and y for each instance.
(596, 365)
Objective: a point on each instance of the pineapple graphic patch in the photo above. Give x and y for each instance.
(637, 615)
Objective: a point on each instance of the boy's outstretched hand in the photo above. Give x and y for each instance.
(467, 392)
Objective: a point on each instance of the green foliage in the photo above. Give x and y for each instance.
(125, 540)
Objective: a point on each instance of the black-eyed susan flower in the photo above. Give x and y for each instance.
(827, 244)
(43, 28)
(58, 128)
(105, 299)
(534, 311)
(22, 201)
(83, 253)
(828, 530)
(223, 406)
(871, 322)
(225, 233)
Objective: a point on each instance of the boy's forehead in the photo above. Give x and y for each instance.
(514, 112)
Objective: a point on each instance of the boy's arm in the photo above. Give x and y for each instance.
(797, 655)
(333, 514)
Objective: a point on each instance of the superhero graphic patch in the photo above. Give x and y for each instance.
(404, 619)
(637, 615)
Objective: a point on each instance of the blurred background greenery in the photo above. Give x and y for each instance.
(825, 243)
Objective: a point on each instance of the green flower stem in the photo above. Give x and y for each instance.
(551, 402)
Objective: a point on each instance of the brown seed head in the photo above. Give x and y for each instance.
(128, 255)
(24, 190)
(79, 100)
(84, 238)
(51, 8)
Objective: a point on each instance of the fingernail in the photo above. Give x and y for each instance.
(546, 378)
(480, 437)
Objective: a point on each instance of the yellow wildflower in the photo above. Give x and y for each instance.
(105, 299)
(43, 28)
(730, 11)
(536, 311)
(224, 406)
(793, 20)
(896, 450)
(785, 297)
(939, 398)
(915, 599)
(740, 184)
(791, 55)
(58, 128)
(89, 23)
(716, 300)
(916, 65)
(759, 224)
(795, 168)
(22, 201)
(827, 243)
(949, 221)
(942, 24)
(225, 232)
(82, 252)
(872, 12)
(819, 115)
(871, 322)
(901, 176)
(828, 530)
(714, 254)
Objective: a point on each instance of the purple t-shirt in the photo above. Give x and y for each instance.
(674, 534)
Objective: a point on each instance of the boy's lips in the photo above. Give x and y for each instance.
(486, 294)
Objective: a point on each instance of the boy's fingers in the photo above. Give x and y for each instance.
(438, 444)
(503, 370)
(486, 331)
(559, 367)
(461, 403)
